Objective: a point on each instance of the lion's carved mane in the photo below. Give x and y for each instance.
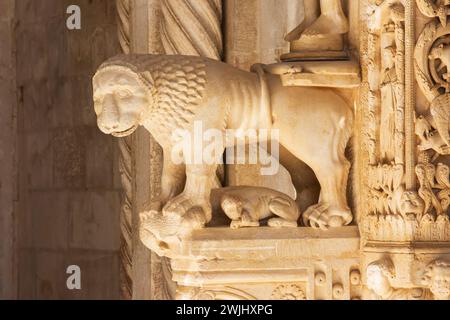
(177, 87)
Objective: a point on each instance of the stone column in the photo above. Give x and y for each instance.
(125, 167)
(138, 33)
(192, 27)
(410, 138)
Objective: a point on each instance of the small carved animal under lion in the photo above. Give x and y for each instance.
(247, 206)
(165, 93)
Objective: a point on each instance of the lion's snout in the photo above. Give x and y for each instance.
(109, 119)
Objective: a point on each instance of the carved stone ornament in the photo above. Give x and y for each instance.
(223, 293)
(437, 278)
(380, 275)
(432, 9)
(405, 223)
(288, 292)
(432, 65)
(168, 94)
(359, 206)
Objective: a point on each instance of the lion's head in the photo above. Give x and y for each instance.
(121, 98)
(142, 89)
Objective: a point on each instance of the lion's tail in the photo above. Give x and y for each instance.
(346, 128)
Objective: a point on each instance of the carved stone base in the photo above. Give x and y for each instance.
(267, 263)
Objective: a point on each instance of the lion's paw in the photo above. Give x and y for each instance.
(321, 216)
(194, 211)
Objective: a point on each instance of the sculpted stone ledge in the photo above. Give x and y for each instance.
(268, 263)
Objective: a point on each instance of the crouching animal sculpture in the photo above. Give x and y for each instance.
(169, 93)
(244, 206)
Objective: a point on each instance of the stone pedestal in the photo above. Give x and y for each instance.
(267, 263)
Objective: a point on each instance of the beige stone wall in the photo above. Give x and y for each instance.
(69, 185)
(255, 30)
(8, 136)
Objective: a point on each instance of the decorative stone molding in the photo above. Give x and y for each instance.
(211, 293)
(405, 222)
(387, 122)
(269, 263)
(401, 184)
(434, 9)
(125, 166)
(432, 64)
(288, 292)
(192, 27)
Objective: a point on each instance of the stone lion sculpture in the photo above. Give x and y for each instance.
(166, 94)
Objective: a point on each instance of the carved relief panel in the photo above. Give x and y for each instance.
(405, 224)
(384, 116)
(399, 165)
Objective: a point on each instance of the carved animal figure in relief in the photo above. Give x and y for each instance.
(439, 119)
(166, 94)
(442, 53)
(380, 275)
(440, 112)
(246, 206)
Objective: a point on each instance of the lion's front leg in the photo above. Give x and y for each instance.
(172, 182)
(332, 210)
(193, 204)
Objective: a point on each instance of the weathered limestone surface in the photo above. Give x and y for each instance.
(267, 263)
(69, 197)
(255, 30)
(60, 178)
(399, 192)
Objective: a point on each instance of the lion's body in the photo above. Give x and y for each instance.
(314, 124)
(231, 99)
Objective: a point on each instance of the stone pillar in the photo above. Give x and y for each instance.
(192, 27)
(125, 168)
(8, 140)
(138, 33)
(255, 30)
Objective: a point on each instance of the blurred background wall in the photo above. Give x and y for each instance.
(8, 138)
(65, 205)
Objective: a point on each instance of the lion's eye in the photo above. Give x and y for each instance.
(123, 94)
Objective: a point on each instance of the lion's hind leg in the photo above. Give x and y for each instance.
(332, 172)
(286, 211)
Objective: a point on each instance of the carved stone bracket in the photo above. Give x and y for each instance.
(268, 264)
